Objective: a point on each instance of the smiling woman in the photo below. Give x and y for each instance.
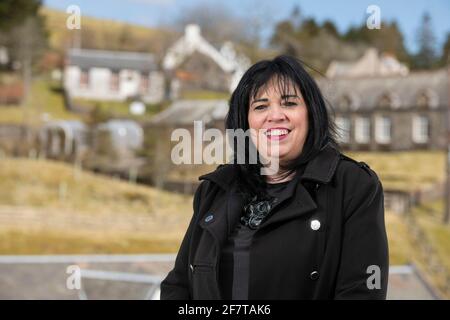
(282, 102)
(312, 230)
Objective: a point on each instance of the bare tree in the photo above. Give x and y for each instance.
(217, 22)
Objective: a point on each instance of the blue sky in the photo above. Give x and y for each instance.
(344, 12)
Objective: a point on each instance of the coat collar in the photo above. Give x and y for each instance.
(320, 169)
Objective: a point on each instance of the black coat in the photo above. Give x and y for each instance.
(292, 256)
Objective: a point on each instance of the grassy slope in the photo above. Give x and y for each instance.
(205, 94)
(44, 98)
(35, 185)
(408, 170)
(429, 216)
(400, 246)
(104, 34)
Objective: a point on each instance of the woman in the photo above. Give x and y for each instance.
(314, 229)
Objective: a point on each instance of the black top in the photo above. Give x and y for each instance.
(276, 189)
(235, 259)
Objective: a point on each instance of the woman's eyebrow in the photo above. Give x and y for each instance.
(260, 100)
(286, 96)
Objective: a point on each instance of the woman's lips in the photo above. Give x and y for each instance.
(277, 134)
(277, 138)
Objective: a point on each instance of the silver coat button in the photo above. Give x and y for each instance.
(315, 225)
(314, 275)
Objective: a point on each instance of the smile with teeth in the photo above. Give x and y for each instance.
(276, 132)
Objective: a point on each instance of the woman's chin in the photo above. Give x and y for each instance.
(280, 158)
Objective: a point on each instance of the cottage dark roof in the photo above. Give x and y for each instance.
(114, 60)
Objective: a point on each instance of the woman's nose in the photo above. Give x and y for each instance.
(276, 114)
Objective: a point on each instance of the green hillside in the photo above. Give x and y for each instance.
(97, 33)
(51, 207)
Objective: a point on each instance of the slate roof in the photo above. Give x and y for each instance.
(114, 60)
(365, 93)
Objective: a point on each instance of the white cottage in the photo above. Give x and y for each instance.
(113, 75)
(192, 59)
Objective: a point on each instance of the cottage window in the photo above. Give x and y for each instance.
(385, 101)
(343, 128)
(420, 129)
(427, 99)
(423, 100)
(84, 79)
(362, 130)
(144, 83)
(114, 82)
(383, 126)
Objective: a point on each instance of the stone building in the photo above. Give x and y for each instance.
(379, 107)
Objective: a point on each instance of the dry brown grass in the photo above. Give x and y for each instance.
(53, 207)
(406, 170)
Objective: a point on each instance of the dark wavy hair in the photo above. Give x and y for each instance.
(285, 70)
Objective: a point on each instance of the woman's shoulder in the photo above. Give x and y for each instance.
(222, 177)
(353, 164)
(351, 170)
(359, 184)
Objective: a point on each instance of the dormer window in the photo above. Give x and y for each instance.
(427, 99)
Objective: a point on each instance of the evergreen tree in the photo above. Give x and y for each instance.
(15, 12)
(445, 58)
(426, 57)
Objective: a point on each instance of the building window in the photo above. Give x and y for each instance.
(383, 129)
(114, 81)
(84, 79)
(343, 129)
(389, 100)
(144, 83)
(362, 130)
(427, 99)
(420, 129)
(385, 101)
(423, 101)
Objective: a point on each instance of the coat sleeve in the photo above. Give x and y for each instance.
(176, 284)
(364, 261)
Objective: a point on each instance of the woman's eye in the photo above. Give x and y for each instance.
(290, 103)
(260, 107)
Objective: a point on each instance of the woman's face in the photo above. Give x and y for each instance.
(279, 118)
